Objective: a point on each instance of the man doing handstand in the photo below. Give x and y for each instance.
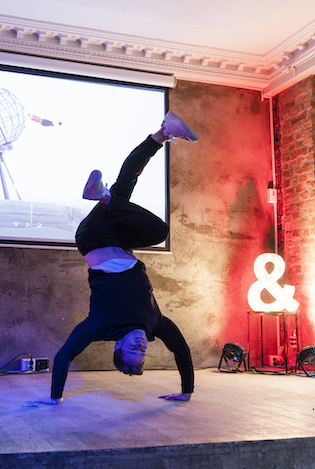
(122, 304)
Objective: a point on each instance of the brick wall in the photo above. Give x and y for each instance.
(294, 123)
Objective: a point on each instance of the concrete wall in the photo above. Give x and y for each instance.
(220, 222)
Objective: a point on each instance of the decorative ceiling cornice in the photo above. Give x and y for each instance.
(268, 74)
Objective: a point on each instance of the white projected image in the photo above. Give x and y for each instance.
(53, 133)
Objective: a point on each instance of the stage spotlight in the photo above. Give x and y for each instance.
(306, 356)
(235, 353)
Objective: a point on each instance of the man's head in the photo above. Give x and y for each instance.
(130, 351)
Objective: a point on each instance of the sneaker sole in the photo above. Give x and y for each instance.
(94, 178)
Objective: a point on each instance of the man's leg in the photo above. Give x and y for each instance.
(172, 128)
(133, 167)
(132, 225)
(137, 227)
(119, 222)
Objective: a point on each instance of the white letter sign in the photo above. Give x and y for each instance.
(284, 300)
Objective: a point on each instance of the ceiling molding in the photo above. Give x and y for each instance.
(268, 74)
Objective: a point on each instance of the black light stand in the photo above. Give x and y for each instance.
(235, 353)
(306, 356)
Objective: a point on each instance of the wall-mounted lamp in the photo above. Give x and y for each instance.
(271, 193)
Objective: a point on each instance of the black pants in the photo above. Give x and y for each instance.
(123, 224)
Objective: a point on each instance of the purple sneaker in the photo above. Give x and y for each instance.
(95, 190)
(174, 127)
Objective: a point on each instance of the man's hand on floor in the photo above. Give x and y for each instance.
(49, 401)
(183, 396)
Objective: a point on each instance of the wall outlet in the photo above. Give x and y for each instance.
(27, 364)
(38, 364)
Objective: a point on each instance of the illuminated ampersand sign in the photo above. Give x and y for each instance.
(284, 300)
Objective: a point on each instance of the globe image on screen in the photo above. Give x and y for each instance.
(12, 119)
(12, 123)
(24, 216)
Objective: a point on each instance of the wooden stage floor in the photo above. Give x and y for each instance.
(111, 411)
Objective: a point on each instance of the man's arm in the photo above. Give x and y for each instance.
(175, 342)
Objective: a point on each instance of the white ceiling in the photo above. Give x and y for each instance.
(252, 26)
(274, 36)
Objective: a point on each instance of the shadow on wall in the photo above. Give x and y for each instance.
(252, 232)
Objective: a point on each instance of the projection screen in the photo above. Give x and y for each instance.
(55, 128)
